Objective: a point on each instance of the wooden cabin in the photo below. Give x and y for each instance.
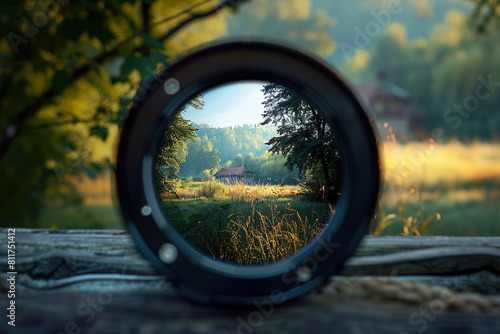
(394, 109)
(230, 175)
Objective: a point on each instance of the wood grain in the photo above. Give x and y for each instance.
(62, 272)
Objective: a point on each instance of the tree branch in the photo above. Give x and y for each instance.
(114, 50)
(70, 121)
(145, 27)
(201, 15)
(11, 131)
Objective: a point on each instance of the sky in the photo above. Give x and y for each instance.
(230, 105)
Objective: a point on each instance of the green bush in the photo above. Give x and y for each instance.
(212, 190)
(186, 182)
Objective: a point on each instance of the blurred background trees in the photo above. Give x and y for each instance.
(69, 71)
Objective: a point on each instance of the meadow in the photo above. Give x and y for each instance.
(242, 223)
(429, 188)
(440, 189)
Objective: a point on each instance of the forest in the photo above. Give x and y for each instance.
(237, 146)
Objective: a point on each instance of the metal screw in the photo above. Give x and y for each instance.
(10, 131)
(304, 274)
(168, 253)
(146, 210)
(172, 86)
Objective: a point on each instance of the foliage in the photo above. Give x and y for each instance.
(247, 224)
(186, 182)
(303, 137)
(68, 72)
(201, 156)
(314, 183)
(240, 145)
(207, 174)
(173, 149)
(212, 190)
(229, 142)
(484, 14)
(296, 20)
(442, 72)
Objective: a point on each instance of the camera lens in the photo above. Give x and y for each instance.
(247, 172)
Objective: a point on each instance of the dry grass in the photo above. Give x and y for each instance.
(433, 163)
(247, 224)
(236, 192)
(426, 184)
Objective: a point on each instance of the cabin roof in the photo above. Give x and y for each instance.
(383, 90)
(227, 171)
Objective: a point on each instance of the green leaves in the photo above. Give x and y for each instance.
(99, 131)
(152, 43)
(304, 137)
(126, 49)
(70, 75)
(95, 27)
(99, 78)
(145, 65)
(160, 57)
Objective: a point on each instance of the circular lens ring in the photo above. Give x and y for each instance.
(196, 275)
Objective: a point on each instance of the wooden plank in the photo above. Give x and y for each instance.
(146, 313)
(66, 270)
(92, 259)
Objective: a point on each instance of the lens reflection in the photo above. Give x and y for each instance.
(248, 172)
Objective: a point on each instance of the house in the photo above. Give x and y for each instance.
(235, 174)
(394, 109)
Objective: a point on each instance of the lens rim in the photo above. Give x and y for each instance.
(207, 280)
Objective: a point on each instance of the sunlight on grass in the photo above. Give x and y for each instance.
(449, 189)
(432, 163)
(246, 224)
(460, 182)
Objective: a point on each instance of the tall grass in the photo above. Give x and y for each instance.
(265, 235)
(433, 188)
(248, 224)
(212, 190)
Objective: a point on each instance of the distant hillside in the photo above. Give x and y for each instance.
(234, 146)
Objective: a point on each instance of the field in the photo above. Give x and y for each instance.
(448, 189)
(458, 183)
(242, 223)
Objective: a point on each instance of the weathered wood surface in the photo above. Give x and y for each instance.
(61, 271)
(65, 258)
(147, 313)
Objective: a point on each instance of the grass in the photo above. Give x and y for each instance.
(464, 208)
(447, 189)
(88, 217)
(247, 224)
(459, 181)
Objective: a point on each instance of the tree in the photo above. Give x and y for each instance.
(68, 72)
(237, 160)
(483, 14)
(173, 149)
(303, 136)
(442, 74)
(201, 156)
